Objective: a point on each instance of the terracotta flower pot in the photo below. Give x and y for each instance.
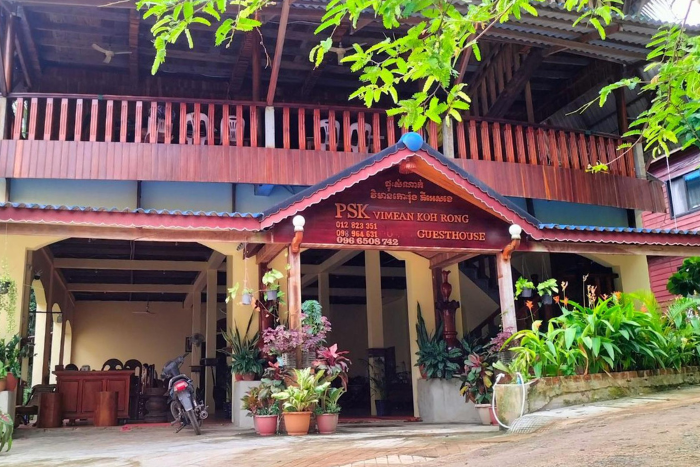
(492, 412)
(245, 376)
(11, 382)
(3, 384)
(297, 423)
(484, 411)
(265, 425)
(327, 423)
(255, 424)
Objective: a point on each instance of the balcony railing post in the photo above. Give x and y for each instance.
(269, 127)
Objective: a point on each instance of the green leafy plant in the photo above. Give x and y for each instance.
(4, 370)
(434, 358)
(8, 295)
(477, 382)
(329, 401)
(10, 354)
(521, 284)
(245, 353)
(304, 392)
(548, 287)
(686, 281)
(7, 428)
(271, 279)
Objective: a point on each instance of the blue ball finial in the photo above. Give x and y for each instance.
(413, 141)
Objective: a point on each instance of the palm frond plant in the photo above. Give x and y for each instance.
(246, 358)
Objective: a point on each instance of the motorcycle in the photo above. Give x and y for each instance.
(184, 406)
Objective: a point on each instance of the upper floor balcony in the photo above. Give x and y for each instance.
(105, 137)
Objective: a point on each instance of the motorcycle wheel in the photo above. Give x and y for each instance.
(195, 423)
(176, 411)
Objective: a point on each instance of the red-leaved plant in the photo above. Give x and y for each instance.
(334, 363)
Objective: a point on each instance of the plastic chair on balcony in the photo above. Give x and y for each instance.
(189, 121)
(232, 128)
(160, 124)
(325, 135)
(355, 136)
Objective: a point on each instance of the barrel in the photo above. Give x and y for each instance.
(50, 410)
(106, 409)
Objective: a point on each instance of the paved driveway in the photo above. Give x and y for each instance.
(221, 445)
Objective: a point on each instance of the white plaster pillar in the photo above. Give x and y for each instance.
(269, 127)
(419, 289)
(210, 337)
(375, 315)
(632, 271)
(506, 293)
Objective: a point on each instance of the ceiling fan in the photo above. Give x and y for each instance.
(340, 50)
(109, 54)
(147, 311)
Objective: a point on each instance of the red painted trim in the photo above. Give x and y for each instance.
(126, 219)
(616, 238)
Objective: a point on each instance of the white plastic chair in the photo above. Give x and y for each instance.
(189, 122)
(325, 135)
(232, 128)
(160, 127)
(354, 129)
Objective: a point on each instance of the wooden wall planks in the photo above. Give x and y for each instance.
(205, 163)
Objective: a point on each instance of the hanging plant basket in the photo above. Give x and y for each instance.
(5, 287)
(527, 293)
(247, 298)
(271, 295)
(547, 299)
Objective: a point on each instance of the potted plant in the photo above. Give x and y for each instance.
(282, 343)
(327, 411)
(246, 360)
(314, 327)
(271, 282)
(300, 398)
(8, 295)
(500, 347)
(435, 360)
(10, 356)
(247, 297)
(3, 376)
(477, 385)
(7, 427)
(333, 362)
(523, 287)
(379, 386)
(546, 289)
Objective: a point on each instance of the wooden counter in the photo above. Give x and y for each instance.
(79, 391)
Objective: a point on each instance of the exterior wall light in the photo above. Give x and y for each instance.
(299, 223)
(515, 230)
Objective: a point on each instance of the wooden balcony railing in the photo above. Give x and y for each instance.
(126, 119)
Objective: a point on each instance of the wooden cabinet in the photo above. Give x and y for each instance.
(78, 390)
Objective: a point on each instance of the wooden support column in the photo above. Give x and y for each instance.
(277, 61)
(9, 51)
(375, 315)
(196, 355)
(621, 105)
(505, 291)
(210, 338)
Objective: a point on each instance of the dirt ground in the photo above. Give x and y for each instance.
(663, 430)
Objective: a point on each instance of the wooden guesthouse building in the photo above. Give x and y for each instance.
(130, 203)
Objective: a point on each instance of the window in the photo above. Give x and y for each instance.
(685, 193)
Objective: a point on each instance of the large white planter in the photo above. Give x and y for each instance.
(7, 403)
(240, 415)
(439, 401)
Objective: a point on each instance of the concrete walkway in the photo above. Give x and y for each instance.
(643, 429)
(222, 445)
